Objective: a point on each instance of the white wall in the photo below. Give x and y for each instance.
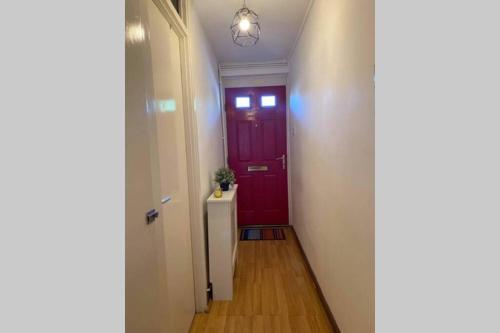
(254, 81)
(204, 71)
(331, 94)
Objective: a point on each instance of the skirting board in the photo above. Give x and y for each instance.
(329, 312)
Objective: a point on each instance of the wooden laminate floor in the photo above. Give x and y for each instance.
(273, 292)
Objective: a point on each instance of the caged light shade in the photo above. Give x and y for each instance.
(245, 28)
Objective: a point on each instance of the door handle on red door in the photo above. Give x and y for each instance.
(283, 161)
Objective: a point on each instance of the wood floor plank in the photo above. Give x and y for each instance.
(215, 324)
(199, 322)
(273, 292)
(238, 324)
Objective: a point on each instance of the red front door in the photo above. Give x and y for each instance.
(256, 131)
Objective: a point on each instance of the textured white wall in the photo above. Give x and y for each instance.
(331, 97)
(211, 150)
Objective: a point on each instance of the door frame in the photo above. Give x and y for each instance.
(179, 25)
(262, 74)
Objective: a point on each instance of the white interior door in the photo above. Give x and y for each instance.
(159, 273)
(143, 242)
(178, 292)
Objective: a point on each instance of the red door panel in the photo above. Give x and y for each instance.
(257, 154)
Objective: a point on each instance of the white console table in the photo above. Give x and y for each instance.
(222, 243)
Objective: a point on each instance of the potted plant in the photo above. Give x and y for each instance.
(224, 176)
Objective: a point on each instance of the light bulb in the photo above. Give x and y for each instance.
(244, 24)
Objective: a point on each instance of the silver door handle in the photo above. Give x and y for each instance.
(151, 216)
(283, 161)
(166, 199)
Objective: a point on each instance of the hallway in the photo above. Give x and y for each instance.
(250, 166)
(274, 292)
(288, 119)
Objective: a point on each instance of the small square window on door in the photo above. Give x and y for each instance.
(242, 102)
(268, 101)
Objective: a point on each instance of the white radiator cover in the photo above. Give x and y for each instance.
(222, 243)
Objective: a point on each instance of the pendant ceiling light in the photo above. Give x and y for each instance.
(245, 28)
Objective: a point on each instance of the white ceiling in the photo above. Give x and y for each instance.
(280, 22)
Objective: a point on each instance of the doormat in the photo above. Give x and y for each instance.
(262, 234)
